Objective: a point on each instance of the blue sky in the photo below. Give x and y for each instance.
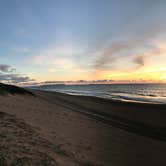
(49, 40)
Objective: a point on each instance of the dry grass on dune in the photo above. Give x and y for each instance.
(11, 89)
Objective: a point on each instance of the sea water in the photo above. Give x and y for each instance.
(151, 93)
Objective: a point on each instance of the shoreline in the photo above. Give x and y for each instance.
(136, 126)
(115, 96)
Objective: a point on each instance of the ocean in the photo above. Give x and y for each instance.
(147, 93)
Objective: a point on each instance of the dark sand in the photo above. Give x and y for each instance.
(58, 129)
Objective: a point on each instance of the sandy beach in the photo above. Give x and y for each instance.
(57, 129)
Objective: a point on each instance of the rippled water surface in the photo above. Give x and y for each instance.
(155, 93)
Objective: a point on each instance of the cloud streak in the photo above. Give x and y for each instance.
(7, 75)
(118, 50)
(14, 78)
(6, 68)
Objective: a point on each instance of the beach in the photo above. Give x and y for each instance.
(50, 128)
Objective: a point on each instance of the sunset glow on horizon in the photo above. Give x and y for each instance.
(60, 40)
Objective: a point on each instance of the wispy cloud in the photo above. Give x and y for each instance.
(59, 59)
(123, 49)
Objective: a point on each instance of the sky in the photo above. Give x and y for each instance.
(70, 40)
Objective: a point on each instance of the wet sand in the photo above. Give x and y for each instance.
(58, 129)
